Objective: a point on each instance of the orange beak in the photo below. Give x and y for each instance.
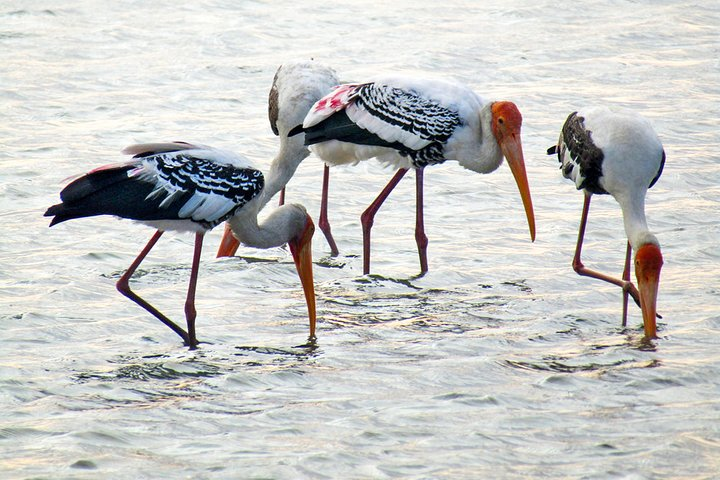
(229, 244)
(648, 262)
(511, 147)
(301, 249)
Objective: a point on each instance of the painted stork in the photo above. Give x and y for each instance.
(295, 88)
(184, 187)
(618, 153)
(412, 122)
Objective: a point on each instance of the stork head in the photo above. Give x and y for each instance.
(506, 124)
(648, 262)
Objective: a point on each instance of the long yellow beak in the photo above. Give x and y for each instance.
(229, 244)
(301, 249)
(648, 262)
(511, 147)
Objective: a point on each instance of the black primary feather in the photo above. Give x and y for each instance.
(111, 192)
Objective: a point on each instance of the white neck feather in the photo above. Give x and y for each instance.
(636, 228)
(292, 152)
(477, 148)
(281, 226)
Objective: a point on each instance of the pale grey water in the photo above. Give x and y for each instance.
(500, 363)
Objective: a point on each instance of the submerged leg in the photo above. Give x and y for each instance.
(323, 221)
(368, 216)
(123, 286)
(420, 237)
(578, 266)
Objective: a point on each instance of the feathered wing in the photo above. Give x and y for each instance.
(580, 159)
(171, 185)
(383, 115)
(333, 102)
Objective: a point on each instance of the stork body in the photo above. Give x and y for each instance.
(183, 187)
(615, 152)
(412, 122)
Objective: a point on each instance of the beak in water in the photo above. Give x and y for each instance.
(301, 249)
(648, 262)
(506, 123)
(229, 244)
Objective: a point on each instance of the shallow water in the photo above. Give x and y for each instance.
(499, 363)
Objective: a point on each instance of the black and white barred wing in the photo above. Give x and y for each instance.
(404, 116)
(398, 116)
(204, 185)
(190, 186)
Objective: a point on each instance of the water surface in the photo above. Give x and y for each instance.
(499, 363)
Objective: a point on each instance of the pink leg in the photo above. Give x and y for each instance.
(323, 221)
(578, 266)
(281, 202)
(420, 237)
(368, 216)
(626, 278)
(190, 312)
(123, 286)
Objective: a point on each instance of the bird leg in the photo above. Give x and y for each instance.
(368, 216)
(626, 277)
(420, 237)
(190, 312)
(281, 201)
(323, 221)
(625, 283)
(123, 286)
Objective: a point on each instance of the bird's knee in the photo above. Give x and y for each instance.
(578, 267)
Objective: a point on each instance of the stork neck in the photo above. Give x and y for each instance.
(292, 152)
(636, 227)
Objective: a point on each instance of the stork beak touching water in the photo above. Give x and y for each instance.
(506, 124)
(617, 152)
(648, 262)
(301, 249)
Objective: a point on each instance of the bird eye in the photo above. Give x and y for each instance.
(501, 121)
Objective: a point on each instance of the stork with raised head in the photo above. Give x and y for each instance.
(193, 188)
(295, 88)
(617, 152)
(412, 122)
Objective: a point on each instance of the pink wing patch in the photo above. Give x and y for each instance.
(338, 99)
(110, 166)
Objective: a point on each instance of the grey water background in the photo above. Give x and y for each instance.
(499, 363)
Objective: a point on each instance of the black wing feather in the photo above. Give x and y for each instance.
(584, 152)
(660, 170)
(339, 127)
(112, 192)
